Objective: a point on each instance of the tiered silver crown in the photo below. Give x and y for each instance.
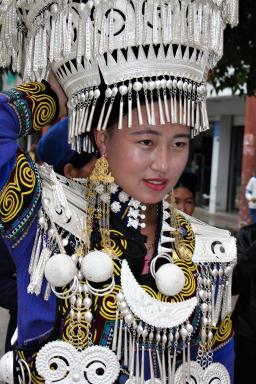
(176, 43)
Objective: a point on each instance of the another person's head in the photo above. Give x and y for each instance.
(53, 149)
(185, 192)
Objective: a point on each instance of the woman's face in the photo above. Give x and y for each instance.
(184, 200)
(145, 160)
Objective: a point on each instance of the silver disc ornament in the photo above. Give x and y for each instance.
(60, 362)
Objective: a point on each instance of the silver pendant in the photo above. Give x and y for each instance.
(214, 373)
(60, 362)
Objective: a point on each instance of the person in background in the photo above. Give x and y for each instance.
(250, 194)
(53, 149)
(185, 192)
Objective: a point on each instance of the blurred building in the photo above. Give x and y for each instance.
(216, 156)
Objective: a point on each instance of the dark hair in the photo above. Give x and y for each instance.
(189, 181)
(78, 160)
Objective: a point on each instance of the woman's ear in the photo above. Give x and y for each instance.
(101, 139)
(69, 171)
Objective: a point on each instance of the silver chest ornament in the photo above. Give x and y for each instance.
(60, 362)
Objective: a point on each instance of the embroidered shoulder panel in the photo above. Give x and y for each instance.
(20, 198)
(34, 104)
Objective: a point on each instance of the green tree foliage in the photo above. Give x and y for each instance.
(238, 65)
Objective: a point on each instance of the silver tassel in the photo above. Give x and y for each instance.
(99, 126)
(125, 346)
(153, 119)
(119, 344)
(164, 341)
(131, 356)
(161, 114)
(147, 104)
(166, 109)
(130, 105)
(120, 119)
(137, 360)
(114, 341)
(140, 119)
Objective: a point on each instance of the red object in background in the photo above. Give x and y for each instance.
(249, 157)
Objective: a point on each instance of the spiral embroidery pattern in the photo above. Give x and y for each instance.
(12, 199)
(223, 331)
(43, 105)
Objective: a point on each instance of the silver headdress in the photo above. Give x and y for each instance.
(161, 49)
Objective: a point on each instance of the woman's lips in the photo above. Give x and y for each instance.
(156, 184)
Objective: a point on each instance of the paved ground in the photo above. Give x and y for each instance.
(223, 220)
(220, 219)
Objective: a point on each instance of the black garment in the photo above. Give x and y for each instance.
(8, 291)
(244, 314)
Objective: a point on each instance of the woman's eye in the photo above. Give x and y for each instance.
(180, 144)
(146, 142)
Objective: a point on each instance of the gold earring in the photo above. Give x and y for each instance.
(101, 173)
(98, 198)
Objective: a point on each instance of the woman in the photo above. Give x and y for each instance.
(94, 259)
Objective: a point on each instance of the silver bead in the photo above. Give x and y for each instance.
(129, 318)
(88, 316)
(119, 297)
(87, 302)
(137, 86)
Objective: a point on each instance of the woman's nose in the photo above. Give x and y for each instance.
(161, 160)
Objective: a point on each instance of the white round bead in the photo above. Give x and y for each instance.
(96, 93)
(204, 307)
(88, 316)
(129, 319)
(90, 4)
(170, 279)
(201, 90)
(91, 94)
(72, 299)
(119, 296)
(185, 86)
(180, 84)
(60, 270)
(87, 302)
(137, 86)
(190, 87)
(79, 302)
(123, 89)
(169, 84)
(54, 9)
(151, 85)
(108, 93)
(163, 83)
(42, 221)
(174, 83)
(64, 242)
(158, 84)
(97, 266)
(114, 91)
